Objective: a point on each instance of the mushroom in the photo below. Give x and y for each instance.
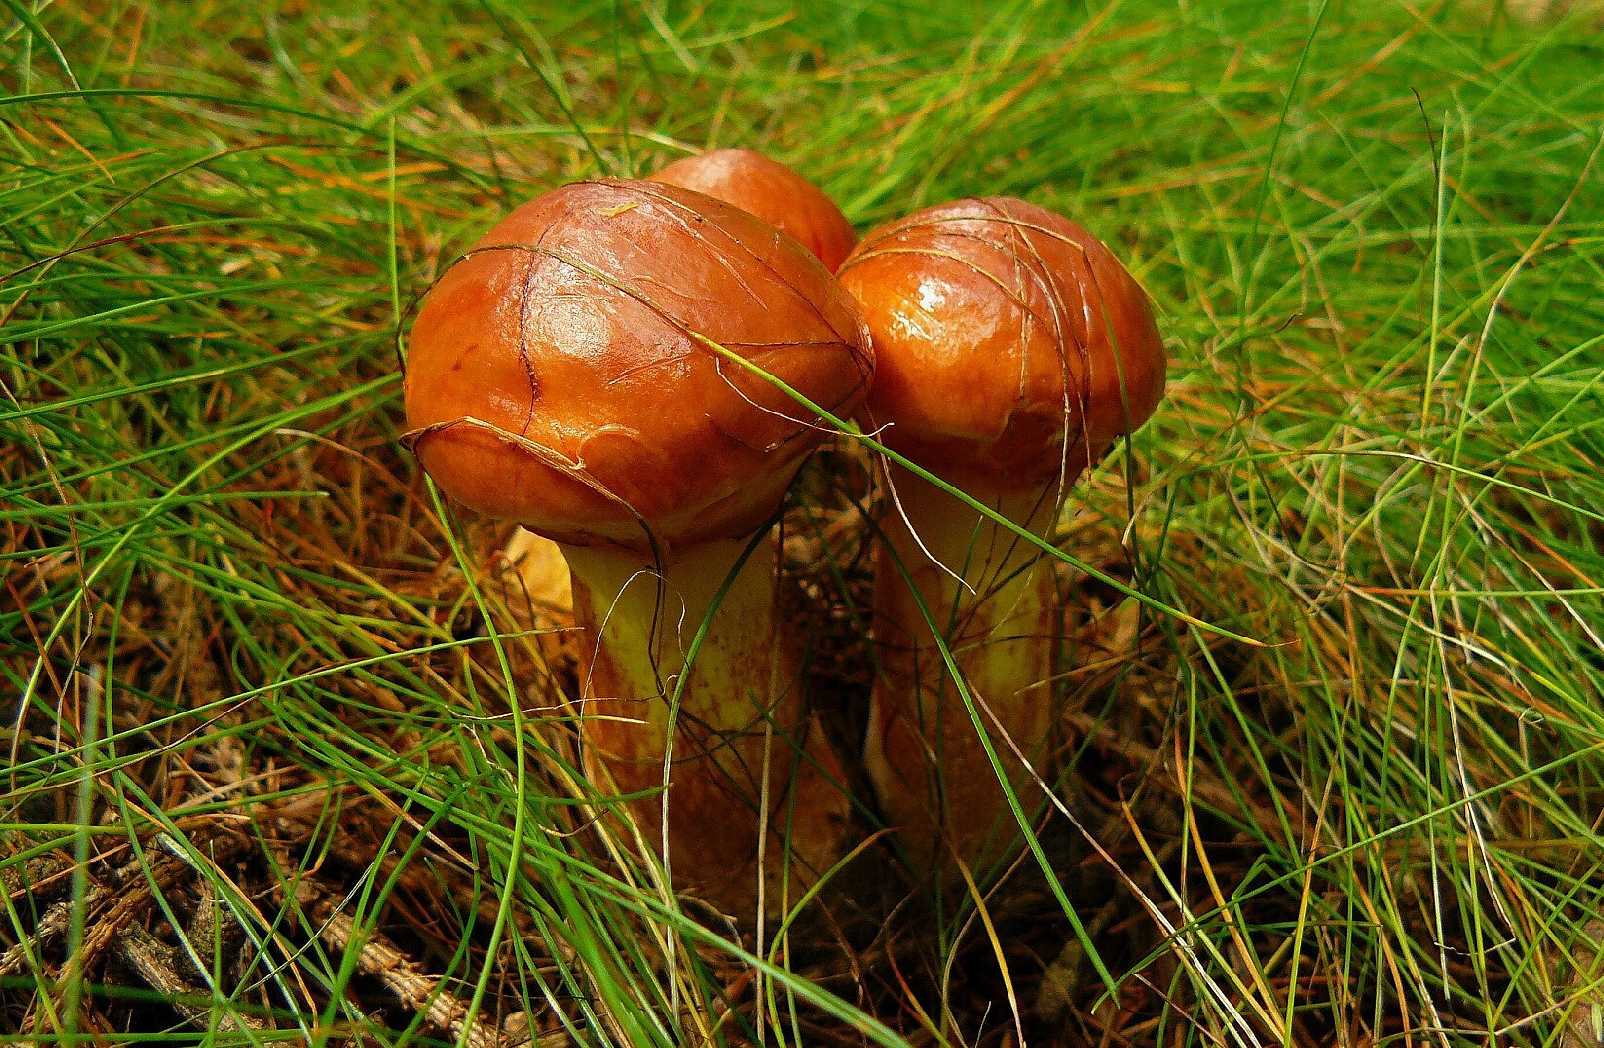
(1012, 350)
(771, 191)
(761, 187)
(569, 372)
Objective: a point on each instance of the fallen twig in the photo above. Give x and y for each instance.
(423, 993)
(154, 961)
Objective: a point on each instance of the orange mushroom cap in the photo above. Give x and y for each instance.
(772, 192)
(555, 376)
(1008, 340)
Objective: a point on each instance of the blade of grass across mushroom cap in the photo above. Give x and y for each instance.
(1012, 350)
(557, 376)
(771, 191)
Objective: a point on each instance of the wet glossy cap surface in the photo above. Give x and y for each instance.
(1008, 340)
(772, 192)
(558, 373)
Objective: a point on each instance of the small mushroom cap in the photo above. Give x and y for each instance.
(557, 373)
(1003, 335)
(772, 192)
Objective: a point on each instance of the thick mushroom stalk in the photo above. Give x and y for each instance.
(1012, 350)
(993, 600)
(771, 191)
(743, 748)
(560, 374)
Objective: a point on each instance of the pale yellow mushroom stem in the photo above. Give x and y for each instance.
(933, 778)
(743, 749)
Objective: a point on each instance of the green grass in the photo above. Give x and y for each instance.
(242, 648)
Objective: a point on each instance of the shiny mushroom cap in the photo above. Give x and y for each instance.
(772, 192)
(558, 374)
(1009, 342)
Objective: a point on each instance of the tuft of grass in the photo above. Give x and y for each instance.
(270, 709)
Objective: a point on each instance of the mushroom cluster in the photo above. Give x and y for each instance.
(636, 370)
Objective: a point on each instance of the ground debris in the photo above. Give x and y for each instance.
(381, 958)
